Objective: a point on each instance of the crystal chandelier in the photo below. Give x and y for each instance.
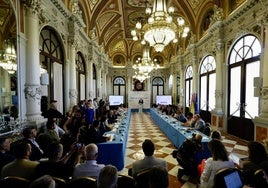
(8, 57)
(160, 29)
(144, 65)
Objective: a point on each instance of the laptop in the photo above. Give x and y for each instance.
(233, 180)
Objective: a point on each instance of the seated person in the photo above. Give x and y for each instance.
(29, 134)
(186, 155)
(216, 135)
(257, 159)
(197, 123)
(180, 116)
(94, 135)
(90, 167)
(21, 166)
(219, 160)
(45, 181)
(56, 164)
(5, 155)
(189, 118)
(108, 177)
(149, 160)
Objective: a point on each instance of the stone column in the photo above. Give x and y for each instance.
(99, 80)
(261, 122)
(72, 84)
(90, 78)
(182, 83)
(104, 84)
(32, 71)
(217, 112)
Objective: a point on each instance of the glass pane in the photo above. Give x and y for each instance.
(187, 99)
(212, 88)
(203, 93)
(252, 103)
(235, 91)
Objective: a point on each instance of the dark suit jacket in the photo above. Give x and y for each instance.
(36, 154)
(5, 158)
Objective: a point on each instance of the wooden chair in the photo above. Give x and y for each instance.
(14, 182)
(142, 179)
(87, 182)
(125, 181)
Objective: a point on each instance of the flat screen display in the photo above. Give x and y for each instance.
(164, 99)
(116, 100)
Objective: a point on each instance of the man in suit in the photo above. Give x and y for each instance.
(149, 160)
(21, 166)
(52, 112)
(29, 134)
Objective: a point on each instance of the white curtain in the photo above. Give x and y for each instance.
(58, 85)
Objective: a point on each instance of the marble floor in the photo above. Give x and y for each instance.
(142, 127)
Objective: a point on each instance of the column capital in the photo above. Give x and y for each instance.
(33, 6)
(32, 92)
(263, 20)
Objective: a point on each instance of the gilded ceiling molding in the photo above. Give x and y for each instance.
(104, 19)
(119, 46)
(195, 4)
(61, 7)
(92, 3)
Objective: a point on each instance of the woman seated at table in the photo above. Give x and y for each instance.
(94, 135)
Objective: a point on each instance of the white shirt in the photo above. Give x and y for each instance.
(211, 167)
(88, 168)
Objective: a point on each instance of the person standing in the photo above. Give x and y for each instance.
(140, 105)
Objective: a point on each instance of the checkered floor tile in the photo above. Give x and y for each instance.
(142, 127)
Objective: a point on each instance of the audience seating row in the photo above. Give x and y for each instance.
(17, 182)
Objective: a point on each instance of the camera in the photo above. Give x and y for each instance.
(78, 145)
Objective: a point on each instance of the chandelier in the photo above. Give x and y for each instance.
(160, 29)
(8, 57)
(144, 66)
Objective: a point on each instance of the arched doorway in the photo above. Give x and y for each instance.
(243, 67)
(52, 62)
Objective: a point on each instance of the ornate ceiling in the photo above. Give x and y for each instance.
(112, 21)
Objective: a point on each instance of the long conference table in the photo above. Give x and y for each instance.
(113, 152)
(178, 133)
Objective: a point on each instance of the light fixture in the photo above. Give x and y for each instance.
(8, 56)
(144, 66)
(160, 29)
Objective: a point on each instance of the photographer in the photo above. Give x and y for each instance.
(186, 156)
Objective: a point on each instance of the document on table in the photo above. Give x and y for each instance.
(234, 158)
(109, 135)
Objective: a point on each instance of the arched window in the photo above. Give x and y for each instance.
(157, 88)
(243, 67)
(119, 86)
(207, 83)
(188, 85)
(80, 76)
(52, 62)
